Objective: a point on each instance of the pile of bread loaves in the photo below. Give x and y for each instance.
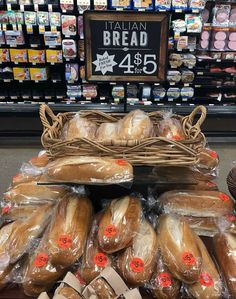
(136, 125)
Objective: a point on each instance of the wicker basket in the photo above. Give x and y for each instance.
(150, 152)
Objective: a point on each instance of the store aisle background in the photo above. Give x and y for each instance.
(11, 159)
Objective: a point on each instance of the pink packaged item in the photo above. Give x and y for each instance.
(221, 14)
(204, 41)
(219, 38)
(232, 39)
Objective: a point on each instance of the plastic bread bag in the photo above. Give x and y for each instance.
(79, 127)
(69, 228)
(196, 203)
(22, 177)
(70, 287)
(41, 160)
(170, 128)
(179, 248)
(209, 284)
(32, 193)
(94, 259)
(107, 132)
(136, 263)
(162, 284)
(208, 159)
(136, 125)
(224, 245)
(88, 170)
(119, 224)
(107, 285)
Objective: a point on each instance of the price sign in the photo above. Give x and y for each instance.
(126, 46)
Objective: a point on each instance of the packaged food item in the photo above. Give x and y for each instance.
(30, 18)
(162, 284)
(221, 14)
(163, 4)
(107, 132)
(11, 17)
(197, 5)
(2, 38)
(38, 74)
(89, 170)
(204, 42)
(119, 224)
(83, 5)
(137, 262)
(68, 24)
(14, 38)
(182, 42)
(39, 2)
(69, 288)
(89, 91)
(82, 73)
(187, 76)
(55, 19)
(36, 56)
(193, 23)
(72, 70)
(143, 4)
(197, 203)
(170, 127)
(25, 2)
(135, 125)
(41, 160)
(209, 284)
(94, 259)
(67, 5)
(173, 76)
(219, 38)
(43, 18)
(100, 4)
(54, 56)
(121, 4)
(231, 43)
(52, 39)
(173, 93)
(32, 193)
(180, 4)
(175, 60)
(208, 159)
(69, 228)
(224, 248)
(4, 55)
(81, 27)
(18, 55)
(81, 52)
(187, 92)
(179, 248)
(74, 91)
(179, 25)
(158, 92)
(69, 48)
(132, 91)
(21, 73)
(118, 91)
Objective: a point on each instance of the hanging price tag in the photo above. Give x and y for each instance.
(100, 260)
(188, 259)
(110, 231)
(41, 260)
(137, 265)
(164, 279)
(64, 241)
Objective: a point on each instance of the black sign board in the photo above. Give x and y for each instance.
(126, 46)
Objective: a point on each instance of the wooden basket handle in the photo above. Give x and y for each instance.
(203, 112)
(44, 113)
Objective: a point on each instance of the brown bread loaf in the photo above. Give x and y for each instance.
(209, 285)
(119, 224)
(41, 160)
(208, 159)
(102, 289)
(94, 259)
(89, 170)
(4, 275)
(69, 293)
(33, 290)
(163, 284)
(197, 203)
(20, 178)
(137, 262)
(107, 132)
(31, 193)
(170, 128)
(69, 229)
(179, 248)
(225, 251)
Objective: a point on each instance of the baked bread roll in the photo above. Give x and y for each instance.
(107, 132)
(68, 230)
(31, 193)
(137, 262)
(208, 158)
(225, 251)
(119, 224)
(170, 128)
(41, 160)
(94, 260)
(33, 290)
(89, 170)
(20, 178)
(179, 249)
(197, 203)
(136, 125)
(163, 284)
(79, 127)
(102, 289)
(4, 275)
(209, 284)
(69, 293)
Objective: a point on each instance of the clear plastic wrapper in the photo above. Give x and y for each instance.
(69, 229)
(136, 263)
(69, 288)
(180, 4)
(197, 4)
(135, 125)
(225, 251)
(89, 170)
(193, 23)
(94, 259)
(107, 132)
(209, 284)
(41, 160)
(179, 248)
(208, 159)
(221, 14)
(21, 177)
(79, 127)
(173, 76)
(163, 4)
(162, 284)
(119, 224)
(170, 127)
(219, 38)
(196, 203)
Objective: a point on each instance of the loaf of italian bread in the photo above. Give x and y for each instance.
(209, 285)
(137, 262)
(225, 251)
(208, 158)
(68, 293)
(89, 170)
(69, 229)
(119, 224)
(107, 132)
(197, 203)
(179, 248)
